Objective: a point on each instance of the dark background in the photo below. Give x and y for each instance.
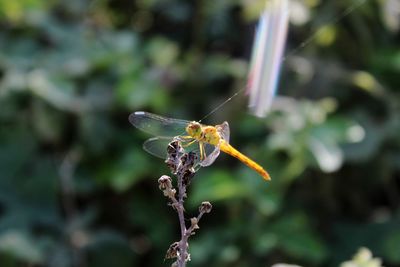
(76, 188)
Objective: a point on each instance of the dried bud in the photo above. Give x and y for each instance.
(193, 158)
(172, 251)
(205, 207)
(171, 164)
(187, 176)
(194, 223)
(174, 152)
(184, 159)
(170, 193)
(173, 148)
(165, 182)
(189, 159)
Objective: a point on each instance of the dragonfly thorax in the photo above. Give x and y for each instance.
(210, 135)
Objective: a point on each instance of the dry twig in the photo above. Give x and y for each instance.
(181, 165)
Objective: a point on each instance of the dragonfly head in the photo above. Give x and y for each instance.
(194, 129)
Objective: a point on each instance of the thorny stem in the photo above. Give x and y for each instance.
(181, 165)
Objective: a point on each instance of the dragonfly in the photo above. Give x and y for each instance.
(206, 140)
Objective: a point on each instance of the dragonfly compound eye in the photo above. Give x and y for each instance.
(194, 129)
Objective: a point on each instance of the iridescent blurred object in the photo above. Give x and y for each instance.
(266, 58)
(391, 14)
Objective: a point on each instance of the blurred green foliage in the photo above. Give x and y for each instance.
(76, 189)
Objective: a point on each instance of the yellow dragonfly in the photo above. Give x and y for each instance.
(208, 140)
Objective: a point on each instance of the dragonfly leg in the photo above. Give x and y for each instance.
(185, 137)
(190, 143)
(202, 150)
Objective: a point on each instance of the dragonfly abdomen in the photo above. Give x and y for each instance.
(230, 150)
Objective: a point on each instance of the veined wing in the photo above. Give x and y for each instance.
(157, 125)
(212, 153)
(223, 130)
(157, 146)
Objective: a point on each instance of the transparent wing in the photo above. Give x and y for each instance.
(212, 153)
(157, 125)
(223, 130)
(157, 146)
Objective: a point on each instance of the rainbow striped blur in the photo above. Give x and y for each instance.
(266, 57)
